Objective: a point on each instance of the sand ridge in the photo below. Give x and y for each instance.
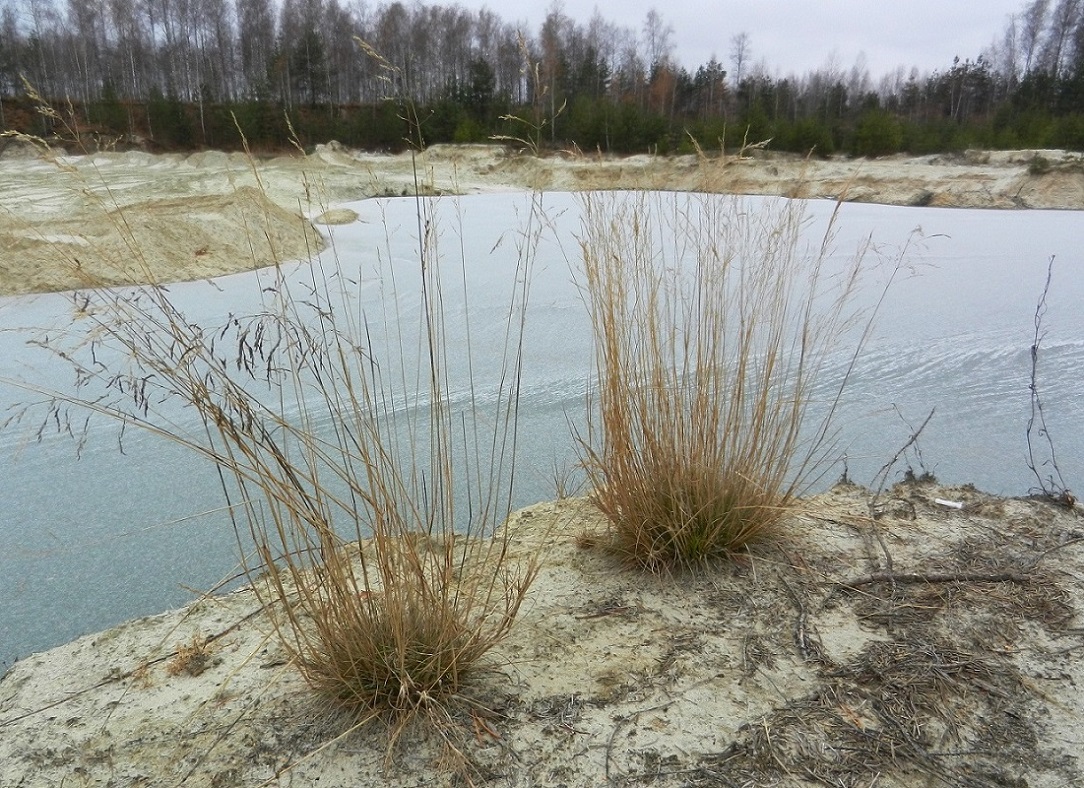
(64, 220)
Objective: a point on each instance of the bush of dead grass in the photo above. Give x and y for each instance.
(713, 325)
(366, 498)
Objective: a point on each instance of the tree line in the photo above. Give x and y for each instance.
(191, 73)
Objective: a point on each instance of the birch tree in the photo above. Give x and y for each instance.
(1058, 47)
(256, 46)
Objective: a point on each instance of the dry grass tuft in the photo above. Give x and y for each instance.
(386, 589)
(192, 658)
(364, 491)
(713, 327)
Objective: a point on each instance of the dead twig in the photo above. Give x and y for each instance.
(1053, 486)
(805, 637)
(881, 477)
(889, 570)
(622, 721)
(933, 578)
(116, 676)
(609, 610)
(1054, 549)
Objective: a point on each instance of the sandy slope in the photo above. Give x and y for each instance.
(929, 646)
(112, 217)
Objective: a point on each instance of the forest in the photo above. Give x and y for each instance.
(188, 74)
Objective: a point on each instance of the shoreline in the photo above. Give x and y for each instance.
(610, 674)
(80, 221)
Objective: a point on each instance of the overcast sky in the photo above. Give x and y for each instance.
(794, 36)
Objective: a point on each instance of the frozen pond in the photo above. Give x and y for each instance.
(92, 541)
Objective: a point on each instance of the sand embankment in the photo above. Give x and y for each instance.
(931, 645)
(109, 218)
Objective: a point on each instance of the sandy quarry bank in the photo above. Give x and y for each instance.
(109, 218)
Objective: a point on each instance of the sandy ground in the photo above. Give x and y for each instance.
(114, 217)
(892, 642)
(928, 645)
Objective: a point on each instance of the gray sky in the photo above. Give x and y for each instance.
(794, 36)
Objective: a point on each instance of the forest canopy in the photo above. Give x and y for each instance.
(182, 74)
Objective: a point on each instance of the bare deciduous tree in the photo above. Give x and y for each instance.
(658, 39)
(256, 45)
(740, 52)
(1057, 48)
(1033, 20)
